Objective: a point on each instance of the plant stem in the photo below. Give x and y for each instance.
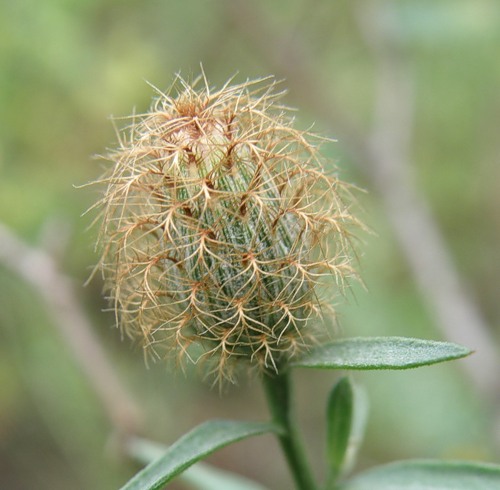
(277, 389)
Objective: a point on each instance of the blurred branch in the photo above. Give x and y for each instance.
(412, 220)
(383, 153)
(289, 58)
(57, 290)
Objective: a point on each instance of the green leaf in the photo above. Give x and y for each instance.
(339, 425)
(358, 427)
(428, 475)
(200, 476)
(195, 445)
(380, 353)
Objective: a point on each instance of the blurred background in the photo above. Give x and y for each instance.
(410, 89)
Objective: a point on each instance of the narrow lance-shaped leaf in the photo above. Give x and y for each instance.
(339, 425)
(380, 353)
(195, 445)
(427, 475)
(200, 476)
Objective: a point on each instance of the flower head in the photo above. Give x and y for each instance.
(219, 226)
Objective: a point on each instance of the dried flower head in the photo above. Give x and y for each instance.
(219, 223)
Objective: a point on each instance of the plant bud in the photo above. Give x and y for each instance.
(220, 226)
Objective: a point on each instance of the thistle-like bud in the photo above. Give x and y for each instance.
(219, 223)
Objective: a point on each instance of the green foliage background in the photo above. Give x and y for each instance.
(66, 65)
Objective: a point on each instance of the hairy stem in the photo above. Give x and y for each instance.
(277, 389)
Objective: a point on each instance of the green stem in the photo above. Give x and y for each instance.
(277, 389)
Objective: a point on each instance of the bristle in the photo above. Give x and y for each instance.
(219, 226)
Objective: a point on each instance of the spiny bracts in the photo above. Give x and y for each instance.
(219, 227)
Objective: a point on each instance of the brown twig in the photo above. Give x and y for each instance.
(58, 292)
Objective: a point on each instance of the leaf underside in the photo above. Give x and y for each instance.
(427, 475)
